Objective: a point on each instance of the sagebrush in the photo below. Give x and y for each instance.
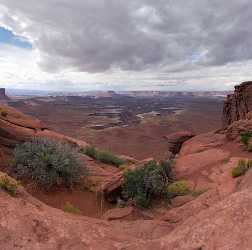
(242, 167)
(147, 182)
(103, 156)
(47, 162)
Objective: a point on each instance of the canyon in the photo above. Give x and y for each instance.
(217, 216)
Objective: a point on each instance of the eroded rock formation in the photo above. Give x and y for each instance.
(3, 94)
(238, 105)
(217, 216)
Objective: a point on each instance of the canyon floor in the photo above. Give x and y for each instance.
(215, 214)
(133, 126)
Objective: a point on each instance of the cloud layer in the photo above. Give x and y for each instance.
(158, 41)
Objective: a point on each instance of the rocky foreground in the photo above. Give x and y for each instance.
(219, 216)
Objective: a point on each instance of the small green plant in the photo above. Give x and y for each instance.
(47, 162)
(249, 147)
(197, 193)
(70, 208)
(245, 138)
(242, 167)
(103, 156)
(8, 184)
(91, 152)
(145, 183)
(124, 168)
(178, 188)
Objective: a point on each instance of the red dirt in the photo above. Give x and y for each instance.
(89, 203)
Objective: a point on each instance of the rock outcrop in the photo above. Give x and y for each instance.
(3, 95)
(217, 214)
(175, 140)
(238, 105)
(15, 127)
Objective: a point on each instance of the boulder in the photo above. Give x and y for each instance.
(112, 187)
(190, 164)
(175, 140)
(202, 142)
(118, 213)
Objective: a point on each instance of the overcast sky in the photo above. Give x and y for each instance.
(125, 44)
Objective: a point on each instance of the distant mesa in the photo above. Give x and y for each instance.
(3, 96)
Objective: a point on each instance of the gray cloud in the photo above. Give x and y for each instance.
(135, 35)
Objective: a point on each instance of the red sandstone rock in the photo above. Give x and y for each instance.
(236, 128)
(176, 140)
(194, 163)
(118, 213)
(224, 225)
(181, 200)
(202, 142)
(238, 105)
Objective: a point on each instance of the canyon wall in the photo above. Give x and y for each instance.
(3, 95)
(238, 105)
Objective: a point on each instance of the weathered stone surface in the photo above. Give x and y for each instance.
(246, 181)
(225, 225)
(17, 127)
(118, 213)
(192, 163)
(181, 200)
(176, 140)
(238, 105)
(202, 142)
(233, 131)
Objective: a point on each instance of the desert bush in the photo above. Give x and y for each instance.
(249, 147)
(245, 138)
(124, 168)
(47, 162)
(8, 184)
(147, 182)
(242, 167)
(91, 152)
(178, 188)
(103, 156)
(70, 208)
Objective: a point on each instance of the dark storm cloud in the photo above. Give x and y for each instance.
(101, 35)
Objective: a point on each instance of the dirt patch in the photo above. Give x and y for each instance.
(89, 203)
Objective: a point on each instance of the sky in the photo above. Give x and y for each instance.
(174, 45)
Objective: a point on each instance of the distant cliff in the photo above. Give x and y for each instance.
(238, 105)
(3, 95)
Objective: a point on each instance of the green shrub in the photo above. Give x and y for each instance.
(47, 162)
(8, 184)
(124, 168)
(91, 152)
(70, 208)
(242, 167)
(178, 188)
(249, 147)
(103, 156)
(147, 182)
(245, 138)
